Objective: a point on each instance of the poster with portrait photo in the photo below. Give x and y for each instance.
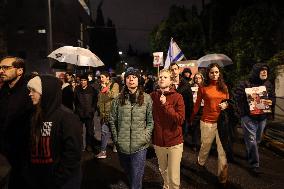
(258, 102)
(158, 59)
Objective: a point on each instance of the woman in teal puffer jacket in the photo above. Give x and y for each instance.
(131, 124)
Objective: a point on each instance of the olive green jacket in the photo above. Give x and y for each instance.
(104, 101)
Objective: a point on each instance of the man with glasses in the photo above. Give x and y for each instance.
(15, 110)
(183, 88)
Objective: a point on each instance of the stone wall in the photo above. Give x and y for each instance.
(279, 90)
(3, 43)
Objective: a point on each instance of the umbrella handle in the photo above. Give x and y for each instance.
(77, 60)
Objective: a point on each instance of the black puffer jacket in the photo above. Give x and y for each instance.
(253, 81)
(85, 101)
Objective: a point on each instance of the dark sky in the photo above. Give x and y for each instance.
(134, 19)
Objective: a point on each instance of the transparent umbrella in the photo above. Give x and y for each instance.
(77, 56)
(220, 59)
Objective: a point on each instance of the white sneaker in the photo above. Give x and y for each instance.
(101, 155)
(114, 149)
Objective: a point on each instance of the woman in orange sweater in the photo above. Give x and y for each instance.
(213, 92)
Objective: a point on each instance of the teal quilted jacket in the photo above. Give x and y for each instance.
(131, 125)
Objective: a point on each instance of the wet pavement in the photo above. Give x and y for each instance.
(107, 173)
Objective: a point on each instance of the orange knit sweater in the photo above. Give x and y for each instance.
(212, 98)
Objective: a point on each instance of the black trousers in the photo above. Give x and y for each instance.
(90, 131)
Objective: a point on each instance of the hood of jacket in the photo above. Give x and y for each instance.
(51, 94)
(254, 75)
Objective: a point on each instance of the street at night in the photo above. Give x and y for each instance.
(151, 94)
(107, 173)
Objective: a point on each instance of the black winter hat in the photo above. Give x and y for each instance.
(186, 70)
(84, 76)
(132, 71)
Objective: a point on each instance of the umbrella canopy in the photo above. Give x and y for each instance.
(220, 59)
(77, 56)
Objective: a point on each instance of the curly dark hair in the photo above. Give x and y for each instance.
(124, 94)
(221, 86)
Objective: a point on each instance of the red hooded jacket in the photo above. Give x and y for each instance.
(168, 118)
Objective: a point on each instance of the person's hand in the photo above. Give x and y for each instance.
(223, 105)
(267, 102)
(163, 99)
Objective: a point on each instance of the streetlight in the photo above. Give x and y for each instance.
(120, 52)
(49, 33)
(49, 39)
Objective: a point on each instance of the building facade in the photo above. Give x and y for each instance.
(3, 38)
(28, 26)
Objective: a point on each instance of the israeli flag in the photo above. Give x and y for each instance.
(174, 54)
(85, 6)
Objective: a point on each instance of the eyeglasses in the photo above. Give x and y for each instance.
(5, 68)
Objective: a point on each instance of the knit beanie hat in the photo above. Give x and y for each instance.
(35, 83)
(186, 70)
(132, 71)
(84, 76)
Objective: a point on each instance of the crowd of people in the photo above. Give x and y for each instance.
(42, 119)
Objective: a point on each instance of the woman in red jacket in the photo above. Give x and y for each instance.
(168, 114)
(213, 92)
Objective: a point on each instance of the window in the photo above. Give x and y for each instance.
(41, 31)
(21, 30)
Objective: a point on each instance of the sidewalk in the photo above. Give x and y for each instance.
(273, 137)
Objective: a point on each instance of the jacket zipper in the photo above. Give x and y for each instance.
(131, 128)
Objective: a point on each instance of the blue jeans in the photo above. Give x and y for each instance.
(253, 130)
(133, 165)
(105, 136)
